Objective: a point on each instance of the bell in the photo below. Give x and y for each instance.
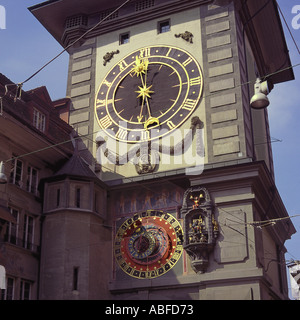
(3, 178)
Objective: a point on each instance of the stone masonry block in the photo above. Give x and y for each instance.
(225, 132)
(224, 116)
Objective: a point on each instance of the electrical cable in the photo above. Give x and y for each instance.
(19, 85)
(270, 221)
(18, 93)
(77, 40)
(19, 89)
(60, 143)
(257, 224)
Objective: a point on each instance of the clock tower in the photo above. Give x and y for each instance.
(161, 95)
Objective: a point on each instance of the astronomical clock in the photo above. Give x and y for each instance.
(148, 244)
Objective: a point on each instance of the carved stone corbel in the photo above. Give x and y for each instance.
(187, 36)
(108, 56)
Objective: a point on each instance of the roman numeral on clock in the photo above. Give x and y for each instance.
(105, 122)
(145, 135)
(102, 103)
(145, 52)
(107, 83)
(195, 81)
(187, 61)
(123, 65)
(189, 104)
(171, 125)
(121, 134)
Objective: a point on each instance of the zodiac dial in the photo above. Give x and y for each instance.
(149, 244)
(149, 93)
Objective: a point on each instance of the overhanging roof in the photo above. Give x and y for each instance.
(52, 14)
(264, 31)
(260, 18)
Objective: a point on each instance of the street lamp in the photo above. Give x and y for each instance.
(3, 178)
(261, 90)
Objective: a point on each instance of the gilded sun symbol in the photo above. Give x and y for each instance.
(144, 92)
(141, 66)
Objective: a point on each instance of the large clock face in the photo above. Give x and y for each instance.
(149, 93)
(149, 244)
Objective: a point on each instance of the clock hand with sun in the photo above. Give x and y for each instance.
(141, 66)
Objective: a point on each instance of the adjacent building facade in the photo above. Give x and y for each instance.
(27, 125)
(168, 193)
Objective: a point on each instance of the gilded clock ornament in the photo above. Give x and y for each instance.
(187, 36)
(148, 94)
(149, 244)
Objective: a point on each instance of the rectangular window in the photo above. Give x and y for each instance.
(32, 180)
(16, 172)
(124, 38)
(75, 278)
(78, 191)
(28, 232)
(12, 228)
(39, 120)
(25, 290)
(57, 197)
(164, 26)
(8, 294)
(96, 202)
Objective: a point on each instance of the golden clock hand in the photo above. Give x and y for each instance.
(148, 106)
(145, 85)
(145, 92)
(143, 102)
(146, 63)
(140, 117)
(141, 66)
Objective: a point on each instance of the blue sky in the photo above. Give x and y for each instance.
(26, 46)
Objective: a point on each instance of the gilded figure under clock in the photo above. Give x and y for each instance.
(197, 231)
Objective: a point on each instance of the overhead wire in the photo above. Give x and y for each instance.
(90, 134)
(20, 85)
(19, 90)
(254, 224)
(77, 40)
(258, 224)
